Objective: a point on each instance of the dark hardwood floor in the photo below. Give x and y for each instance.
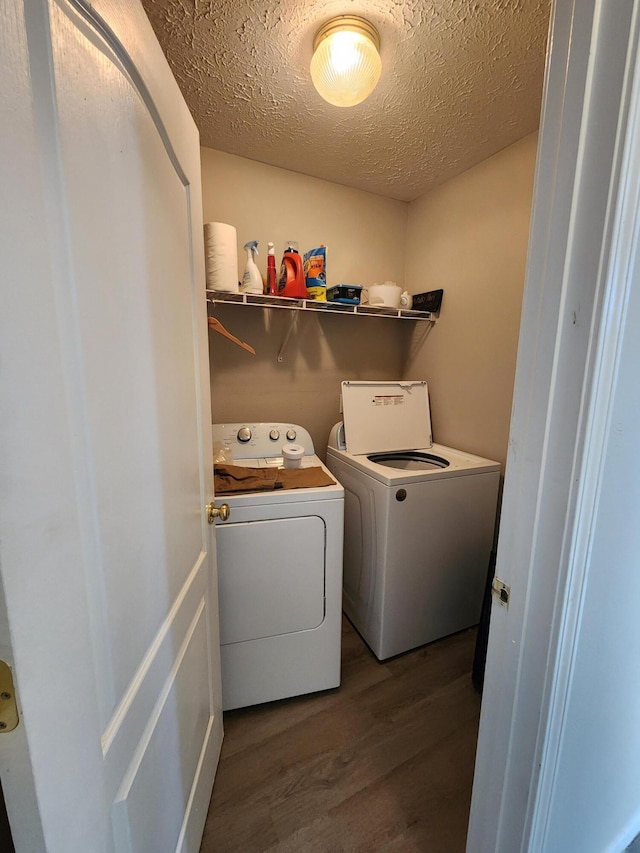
(384, 763)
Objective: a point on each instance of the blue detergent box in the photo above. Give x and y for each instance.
(348, 294)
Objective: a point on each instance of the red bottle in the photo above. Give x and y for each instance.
(292, 284)
(272, 281)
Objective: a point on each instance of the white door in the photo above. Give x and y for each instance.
(108, 611)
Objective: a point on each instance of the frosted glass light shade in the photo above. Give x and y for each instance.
(346, 65)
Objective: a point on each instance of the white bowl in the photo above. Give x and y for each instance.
(385, 295)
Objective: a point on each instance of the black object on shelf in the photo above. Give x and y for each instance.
(429, 301)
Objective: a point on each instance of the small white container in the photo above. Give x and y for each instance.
(385, 295)
(292, 455)
(406, 300)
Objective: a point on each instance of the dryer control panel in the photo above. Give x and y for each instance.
(261, 440)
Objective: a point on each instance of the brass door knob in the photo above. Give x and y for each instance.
(222, 512)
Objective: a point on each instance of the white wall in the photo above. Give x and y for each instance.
(470, 236)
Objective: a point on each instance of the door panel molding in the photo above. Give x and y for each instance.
(136, 704)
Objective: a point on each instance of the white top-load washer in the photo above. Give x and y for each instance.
(419, 519)
(279, 574)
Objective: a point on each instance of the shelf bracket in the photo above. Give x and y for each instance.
(293, 319)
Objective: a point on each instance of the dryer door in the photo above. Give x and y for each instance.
(271, 577)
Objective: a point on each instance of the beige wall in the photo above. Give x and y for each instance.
(469, 236)
(365, 239)
(364, 233)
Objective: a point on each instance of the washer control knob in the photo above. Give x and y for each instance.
(274, 435)
(291, 435)
(244, 434)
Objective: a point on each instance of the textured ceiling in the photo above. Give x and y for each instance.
(461, 79)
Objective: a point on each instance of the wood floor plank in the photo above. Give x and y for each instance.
(251, 726)
(384, 763)
(431, 810)
(268, 770)
(366, 761)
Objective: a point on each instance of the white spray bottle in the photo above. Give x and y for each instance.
(251, 280)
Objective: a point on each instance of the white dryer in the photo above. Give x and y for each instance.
(279, 575)
(419, 519)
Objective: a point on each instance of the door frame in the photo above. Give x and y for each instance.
(580, 268)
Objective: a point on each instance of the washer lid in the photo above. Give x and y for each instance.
(380, 416)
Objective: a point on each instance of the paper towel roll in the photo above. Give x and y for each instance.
(221, 256)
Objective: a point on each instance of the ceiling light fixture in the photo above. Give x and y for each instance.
(346, 64)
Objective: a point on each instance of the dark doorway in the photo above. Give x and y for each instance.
(6, 842)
